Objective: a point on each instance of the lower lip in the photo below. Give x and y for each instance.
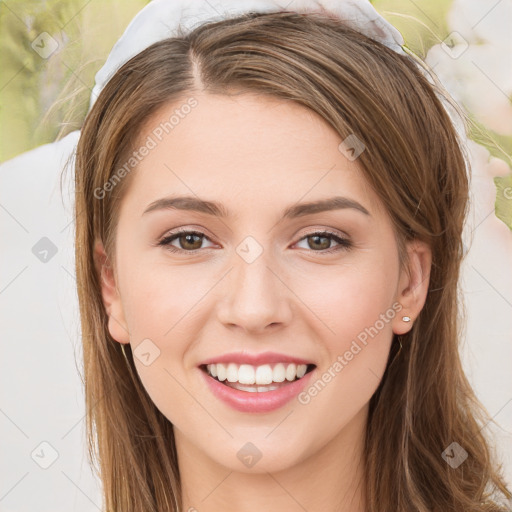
(266, 401)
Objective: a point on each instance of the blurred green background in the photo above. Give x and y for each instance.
(42, 99)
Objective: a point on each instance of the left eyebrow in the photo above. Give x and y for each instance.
(191, 203)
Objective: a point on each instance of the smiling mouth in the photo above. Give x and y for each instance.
(278, 380)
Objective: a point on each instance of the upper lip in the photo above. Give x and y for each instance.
(255, 359)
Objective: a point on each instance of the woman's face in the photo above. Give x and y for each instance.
(257, 281)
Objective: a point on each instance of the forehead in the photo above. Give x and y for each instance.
(257, 149)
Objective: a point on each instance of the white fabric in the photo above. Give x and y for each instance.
(41, 394)
(160, 19)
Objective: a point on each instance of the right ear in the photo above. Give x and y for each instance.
(110, 294)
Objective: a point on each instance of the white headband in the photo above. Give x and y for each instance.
(161, 19)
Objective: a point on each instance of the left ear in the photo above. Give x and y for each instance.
(111, 298)
(413, 285)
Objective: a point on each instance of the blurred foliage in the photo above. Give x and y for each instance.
(504, 199)
(423, 24)
(43, 99)
(40, 98)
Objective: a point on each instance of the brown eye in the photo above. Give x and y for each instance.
(188, 241)
(321, 242)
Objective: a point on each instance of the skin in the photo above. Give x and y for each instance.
(257, 156)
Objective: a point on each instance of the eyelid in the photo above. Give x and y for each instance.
(186, 229)
(203, 231)
(320, 229)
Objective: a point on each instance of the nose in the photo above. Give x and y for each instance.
(256, 297)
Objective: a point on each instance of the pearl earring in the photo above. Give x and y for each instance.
(406, 318)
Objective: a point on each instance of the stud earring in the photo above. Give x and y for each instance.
(406, 318)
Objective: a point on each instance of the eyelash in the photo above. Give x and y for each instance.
(344, 243)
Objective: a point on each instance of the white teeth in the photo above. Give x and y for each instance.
(221, 371)
(264, 374)
(279, 373)
(252, 389)
(291, 372)
(232, 372)
(246, 374)
(301, 370)
(260, 375)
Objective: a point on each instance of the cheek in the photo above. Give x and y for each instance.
(353, 308)
(356, 306)
(349, 298)
(161, 316)
(157, 299)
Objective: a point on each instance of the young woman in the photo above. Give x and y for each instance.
(269, 213)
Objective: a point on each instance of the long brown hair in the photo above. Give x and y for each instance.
(415, 163)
